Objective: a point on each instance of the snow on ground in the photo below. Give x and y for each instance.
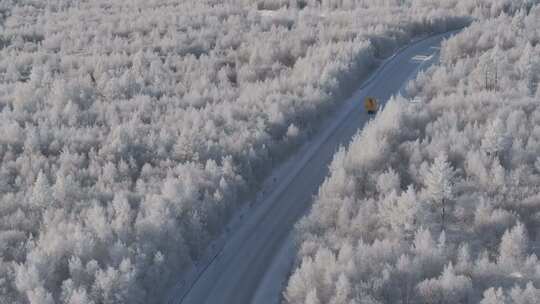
(252, 258)
(131, 131)
(275, 278)
(436, 200)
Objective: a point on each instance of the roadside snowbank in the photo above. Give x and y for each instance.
(130, 131)
(461, 159)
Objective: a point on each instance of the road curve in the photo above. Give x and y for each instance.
(235, 274)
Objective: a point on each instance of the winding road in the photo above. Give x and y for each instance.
(243, 271)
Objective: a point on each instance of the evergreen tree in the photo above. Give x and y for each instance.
(439, 183)
(513, 248)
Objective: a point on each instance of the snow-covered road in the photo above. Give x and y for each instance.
(245, 270)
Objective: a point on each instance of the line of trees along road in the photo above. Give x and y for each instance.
(131, 130)
(437, 202)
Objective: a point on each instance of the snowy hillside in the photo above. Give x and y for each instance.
(131, 130)
(437, 199)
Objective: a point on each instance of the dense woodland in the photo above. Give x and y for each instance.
(438, 200)
(130, 131)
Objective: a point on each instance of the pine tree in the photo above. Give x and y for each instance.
(513, 247)
(439, 182)
(41, 195)
(464, 262)
(343, 290)
(312, 297)
(528, 295)
(494, 296)
(494, 141)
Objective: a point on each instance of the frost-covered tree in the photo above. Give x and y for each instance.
(41, 196)
(312, 297)
(495, 140)
(527, 295)
(448, 288)
(131, 131)
(491, 137)
(343, 292)
(494, 296)
(513, 248)
(401, 212)
(439, 185)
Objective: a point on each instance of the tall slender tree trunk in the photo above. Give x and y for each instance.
(442, 215)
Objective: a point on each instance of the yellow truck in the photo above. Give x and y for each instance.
(371, 106)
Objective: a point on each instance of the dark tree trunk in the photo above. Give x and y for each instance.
(442, 215)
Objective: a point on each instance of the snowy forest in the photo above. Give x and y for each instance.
(131, 130)
(437, 200)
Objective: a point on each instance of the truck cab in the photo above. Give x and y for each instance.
(371, 106)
